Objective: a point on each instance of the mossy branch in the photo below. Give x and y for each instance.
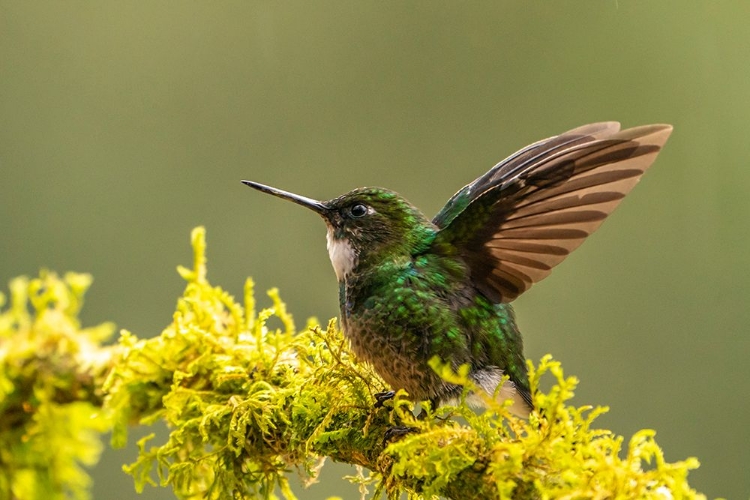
(245, 402)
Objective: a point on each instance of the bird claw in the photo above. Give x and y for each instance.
(382, 397)
(397, 432)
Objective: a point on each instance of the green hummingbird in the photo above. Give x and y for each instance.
(411, 288)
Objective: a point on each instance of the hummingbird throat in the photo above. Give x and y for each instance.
(343, 256)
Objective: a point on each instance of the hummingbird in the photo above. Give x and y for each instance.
(411, 288)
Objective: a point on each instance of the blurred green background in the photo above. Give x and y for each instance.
(125, 124)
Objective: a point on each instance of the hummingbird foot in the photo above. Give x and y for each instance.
(382, 397)
(396, 433)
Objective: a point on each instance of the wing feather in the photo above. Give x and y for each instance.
(506, 169)
(524, 216)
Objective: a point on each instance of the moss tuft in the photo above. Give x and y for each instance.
(50, 389)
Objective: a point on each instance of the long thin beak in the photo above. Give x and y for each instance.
(314, 205)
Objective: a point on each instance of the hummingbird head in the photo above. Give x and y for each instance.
(366, 226)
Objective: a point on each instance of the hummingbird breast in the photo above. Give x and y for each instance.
(391, 314)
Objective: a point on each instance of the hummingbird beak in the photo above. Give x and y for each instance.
(316, 206)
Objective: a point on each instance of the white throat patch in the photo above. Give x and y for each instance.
(343, 257)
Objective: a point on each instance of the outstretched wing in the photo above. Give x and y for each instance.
(524, 216)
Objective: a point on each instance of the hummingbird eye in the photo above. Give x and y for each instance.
(358, 210)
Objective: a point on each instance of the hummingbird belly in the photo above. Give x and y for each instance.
(415, 316)
(409, 370)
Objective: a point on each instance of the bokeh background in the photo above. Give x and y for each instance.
(125, 124)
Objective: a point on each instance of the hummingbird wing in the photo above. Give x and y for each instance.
(516, 222)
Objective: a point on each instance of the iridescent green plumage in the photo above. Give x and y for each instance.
(411, 289)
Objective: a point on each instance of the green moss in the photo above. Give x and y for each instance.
(50, 415)
(245, 403)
